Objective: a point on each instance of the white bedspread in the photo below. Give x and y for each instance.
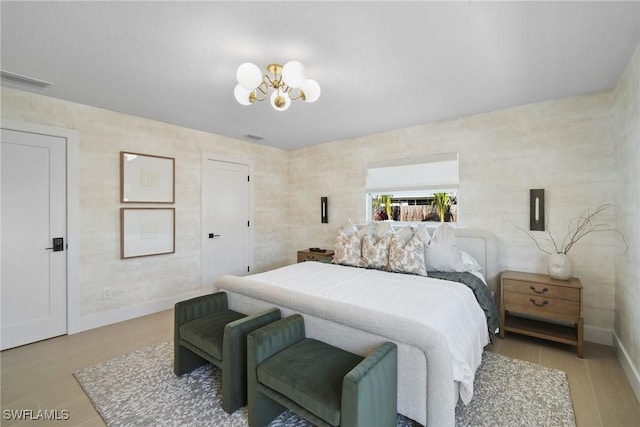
(448, 307)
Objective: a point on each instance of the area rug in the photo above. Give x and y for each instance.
(140, 389)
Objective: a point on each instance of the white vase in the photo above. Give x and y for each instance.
(560, 267)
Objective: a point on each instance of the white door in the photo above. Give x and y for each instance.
(225, 220)
(33, 213)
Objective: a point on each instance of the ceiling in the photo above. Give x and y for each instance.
(381, 65)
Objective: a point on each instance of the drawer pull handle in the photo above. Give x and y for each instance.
(536, 303)
(533, 288)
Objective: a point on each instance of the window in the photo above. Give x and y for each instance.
(418, 189)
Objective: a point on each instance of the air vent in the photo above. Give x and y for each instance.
(254, 137)
(23, 80)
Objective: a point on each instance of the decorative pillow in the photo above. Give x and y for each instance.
(407, 258)
(406, 233)
(349, 228)
(442, 253)
(470, 264)
(347, 250)
(375, 254)
(424, 235)
(382, 229)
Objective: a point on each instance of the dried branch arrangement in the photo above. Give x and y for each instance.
(577, 228)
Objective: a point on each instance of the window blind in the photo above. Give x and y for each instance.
(430, 173)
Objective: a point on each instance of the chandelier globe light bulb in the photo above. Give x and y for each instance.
(249, 75)
(242, 95)
(311, 90)
(293, 74)
(280, 100)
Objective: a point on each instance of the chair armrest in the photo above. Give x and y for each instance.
(234, 356)
(268, 340)
(200, 306)
(369, 391)
(235, 333)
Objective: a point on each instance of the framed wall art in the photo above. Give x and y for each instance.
(147, 231)
(145, 178)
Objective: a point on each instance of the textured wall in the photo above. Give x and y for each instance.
(102, 135)
(564, 146)
(627, 162)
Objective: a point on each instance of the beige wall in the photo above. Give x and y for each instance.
(627, 163)
(102, 135)
(564, 146)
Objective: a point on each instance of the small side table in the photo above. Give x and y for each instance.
(307, 255)
(553, 307)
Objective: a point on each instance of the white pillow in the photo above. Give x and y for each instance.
(469, 262)
(382, 229)
(375, 254)
(405, 233)
(407, 257)
(442, 253)
(349, 228)
(375, 229)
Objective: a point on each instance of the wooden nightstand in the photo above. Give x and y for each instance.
(556, 306)
(307, 255)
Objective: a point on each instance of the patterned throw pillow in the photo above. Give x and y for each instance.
(347, 250)
(375, 254)
(407, 258)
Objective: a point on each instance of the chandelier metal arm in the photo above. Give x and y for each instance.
(264, 88)
(300, 95)
(266, 81)
(254, 96)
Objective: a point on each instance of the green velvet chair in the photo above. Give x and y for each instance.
(325, 385)
(206, 331)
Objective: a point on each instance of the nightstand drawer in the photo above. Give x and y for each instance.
(542, 306)
(542, 290)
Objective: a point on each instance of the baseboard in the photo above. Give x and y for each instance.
(630, 370)
(114, 316)
(598, 335)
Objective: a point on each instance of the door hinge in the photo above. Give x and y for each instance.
(248, 268)
(248, 224)
(248, 178)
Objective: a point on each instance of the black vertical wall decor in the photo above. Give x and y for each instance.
(536, 209)
(324, 212)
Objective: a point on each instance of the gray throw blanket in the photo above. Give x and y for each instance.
(482, 293)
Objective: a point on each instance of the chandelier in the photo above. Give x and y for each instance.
(288, 82)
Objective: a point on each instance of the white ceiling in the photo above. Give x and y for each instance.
(381, 65)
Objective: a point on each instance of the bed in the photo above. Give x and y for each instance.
(438, 325)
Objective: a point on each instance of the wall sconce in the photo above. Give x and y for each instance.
(536, 209)
(324, 213)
